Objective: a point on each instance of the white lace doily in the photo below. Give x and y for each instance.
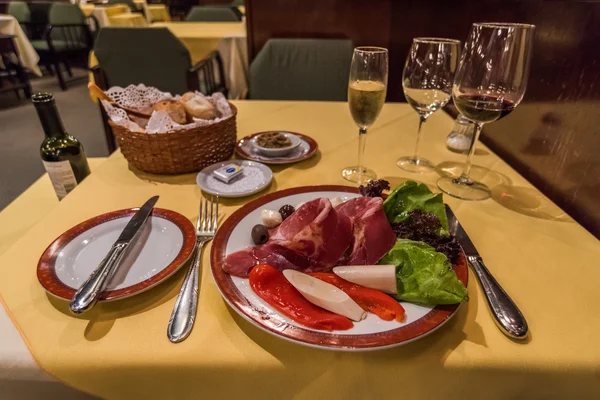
(139, 96)
(142, 96)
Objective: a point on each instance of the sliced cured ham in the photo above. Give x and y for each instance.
(372, 236)
(313, 238)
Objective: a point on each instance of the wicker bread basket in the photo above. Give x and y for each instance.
(178, 152)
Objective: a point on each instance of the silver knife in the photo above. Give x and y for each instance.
(506, 314)
(88, 293)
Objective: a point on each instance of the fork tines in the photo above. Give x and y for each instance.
(208, 215)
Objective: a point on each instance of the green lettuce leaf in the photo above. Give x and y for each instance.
(423, 275)
(410, 196)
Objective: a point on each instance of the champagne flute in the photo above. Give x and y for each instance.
(367, 87)
(427, 84)
(489, 84)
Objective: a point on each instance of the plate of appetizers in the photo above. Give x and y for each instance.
(340, 268)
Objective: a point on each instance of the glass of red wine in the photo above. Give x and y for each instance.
(490, 82)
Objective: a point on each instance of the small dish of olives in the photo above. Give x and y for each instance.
(276, 143)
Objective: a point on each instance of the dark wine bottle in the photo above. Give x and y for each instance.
(62, 154)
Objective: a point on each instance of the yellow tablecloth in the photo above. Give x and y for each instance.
(133, 19)
(546, 261)
(229, 38)
(31, 206)
(153, 12)
(157, 12)
(117, 9)
(20, 376)
(200, 38)
(104, 13)
(87, 9)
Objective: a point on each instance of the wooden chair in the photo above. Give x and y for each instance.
(13, 76)
(154, 57)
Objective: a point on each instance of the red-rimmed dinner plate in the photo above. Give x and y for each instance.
(245, 148)
(370, 334)
(162, 247)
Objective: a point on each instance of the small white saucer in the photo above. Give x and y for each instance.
(254, 178)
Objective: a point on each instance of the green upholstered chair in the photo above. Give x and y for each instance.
(302, 69)
(19, 10)
(154, 57)
(67, 38)
(212, 14)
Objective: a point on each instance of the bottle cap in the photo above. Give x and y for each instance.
(42, 97)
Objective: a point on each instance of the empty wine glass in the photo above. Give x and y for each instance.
(367, 87)
(490, 82)
(427, 84)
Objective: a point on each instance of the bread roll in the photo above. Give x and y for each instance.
(175, 110)
(197, 106)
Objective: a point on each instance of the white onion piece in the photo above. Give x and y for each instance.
(380, 277)
(270, 218)
(325, 295)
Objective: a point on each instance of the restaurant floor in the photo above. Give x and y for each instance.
(21, 133)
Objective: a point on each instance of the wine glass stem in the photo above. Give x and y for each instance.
(422, 119)
(362, 140)
(465, 178)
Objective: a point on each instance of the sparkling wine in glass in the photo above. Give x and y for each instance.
(427, 84)
(367, 87)
(490, 82)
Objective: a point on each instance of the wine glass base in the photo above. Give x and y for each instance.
(462, 190)
(362, 176)
(419, 165)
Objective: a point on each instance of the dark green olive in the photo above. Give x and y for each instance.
(260, 234)
(286, 211)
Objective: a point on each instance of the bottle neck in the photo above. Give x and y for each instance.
(50, 119)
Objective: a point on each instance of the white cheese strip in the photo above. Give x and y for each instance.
(325, 295)
(380, 277)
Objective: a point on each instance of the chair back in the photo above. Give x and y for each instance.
(212, 14)
(152, 56)
(237, 3)
(40, 12)
(302, 69)
(65, 13)
(19, 10)
(74, 32)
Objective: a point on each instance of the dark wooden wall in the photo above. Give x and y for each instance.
(553, 138)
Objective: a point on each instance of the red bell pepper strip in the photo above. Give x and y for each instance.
(271, 286)
(372, 300)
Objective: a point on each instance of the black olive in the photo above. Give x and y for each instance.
(260, 234)
(286, 211)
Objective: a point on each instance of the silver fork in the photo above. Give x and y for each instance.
(184, 312)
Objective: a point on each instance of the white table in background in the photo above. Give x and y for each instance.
(27, 54)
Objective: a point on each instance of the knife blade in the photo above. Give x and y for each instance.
(88, 293)
(507, 315)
